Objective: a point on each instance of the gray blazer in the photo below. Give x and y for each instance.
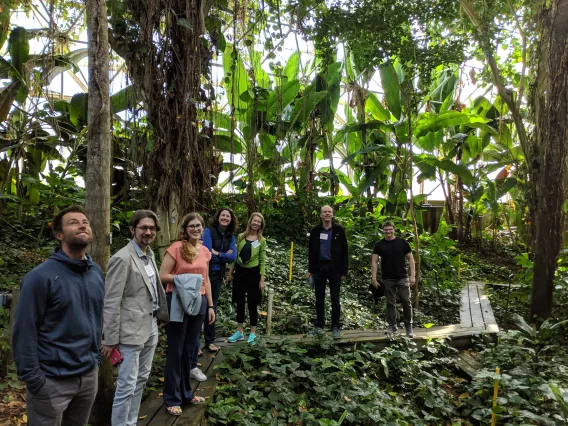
(128, 307)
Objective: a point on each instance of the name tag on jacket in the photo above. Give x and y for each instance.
(150, 270)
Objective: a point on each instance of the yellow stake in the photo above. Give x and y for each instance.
(291, 257)
(495, 393)
(459, 265)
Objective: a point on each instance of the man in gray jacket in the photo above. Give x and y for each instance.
(134, 302)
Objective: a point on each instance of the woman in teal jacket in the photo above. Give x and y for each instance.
(248, 282)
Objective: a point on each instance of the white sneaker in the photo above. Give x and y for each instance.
(197, 374)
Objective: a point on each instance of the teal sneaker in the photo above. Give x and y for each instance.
(236, 337)
(251, 338)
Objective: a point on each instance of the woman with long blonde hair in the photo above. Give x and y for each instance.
(248, 282)
(187, 257)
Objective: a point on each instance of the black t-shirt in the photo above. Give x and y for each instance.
(392, 254)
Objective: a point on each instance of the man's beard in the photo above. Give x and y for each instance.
(79, 244)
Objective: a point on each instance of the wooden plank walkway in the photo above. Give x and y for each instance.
(153, 412)
(476, 318)
(475, 309)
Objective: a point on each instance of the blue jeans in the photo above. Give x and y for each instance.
(181, 351)
(133, 374)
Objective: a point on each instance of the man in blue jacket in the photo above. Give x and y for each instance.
(57, 330)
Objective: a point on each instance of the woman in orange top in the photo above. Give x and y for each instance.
(187, 256)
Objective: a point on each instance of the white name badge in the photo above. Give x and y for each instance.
(323, 237)
(149, 270)
(255, 244)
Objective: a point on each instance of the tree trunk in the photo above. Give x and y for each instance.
(166, 58)
(395, 184)
(97, 179)
(551, 114)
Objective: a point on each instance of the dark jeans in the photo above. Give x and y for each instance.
(209, 329)
(391, 286)
(246, 291)
(321, 279)
(63, 401)
(181, 337)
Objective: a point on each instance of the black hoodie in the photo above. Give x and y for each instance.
(58, 323)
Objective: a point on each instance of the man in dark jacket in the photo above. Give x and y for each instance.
(57, 330)
(328, 261)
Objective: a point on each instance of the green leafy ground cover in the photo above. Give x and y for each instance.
(285, 383)
(327, 384)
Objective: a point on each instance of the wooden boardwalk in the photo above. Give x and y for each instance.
(152, 411)
(475, 309)
(476, 318)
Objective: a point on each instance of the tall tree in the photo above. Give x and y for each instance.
(550, 105)
(97, 179)
(163, 45)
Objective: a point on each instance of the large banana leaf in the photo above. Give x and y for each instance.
(78, 106)
(260, 76)
(123, 99)
(377, 110)
(428, 165)
(429, 122)
(19, 49)
(221, 120)
(7, 97)
(222, 142)
(430, 141)
(281, 97)
(236, 80)
(292, 68)
(328, 105)
(443, 88)
(390, 85)
(304, 106)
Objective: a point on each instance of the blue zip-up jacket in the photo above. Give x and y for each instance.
(223, 257)
(57, 331)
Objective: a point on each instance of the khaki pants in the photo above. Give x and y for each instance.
(63, 401)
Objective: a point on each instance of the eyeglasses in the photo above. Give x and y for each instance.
(198, 226)
(147, 228)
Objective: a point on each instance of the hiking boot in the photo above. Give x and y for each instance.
(236, 337)
(314, 332)
(251, 339)
(197, 374)
(409, 332)
(391, 329)
(335, 333)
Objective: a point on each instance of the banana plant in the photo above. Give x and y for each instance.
(268, 119)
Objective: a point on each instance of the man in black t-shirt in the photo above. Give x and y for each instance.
(393, 252)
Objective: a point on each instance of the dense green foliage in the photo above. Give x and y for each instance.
(327, 384)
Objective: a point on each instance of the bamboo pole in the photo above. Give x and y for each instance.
(495, 393)
(291, 258)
